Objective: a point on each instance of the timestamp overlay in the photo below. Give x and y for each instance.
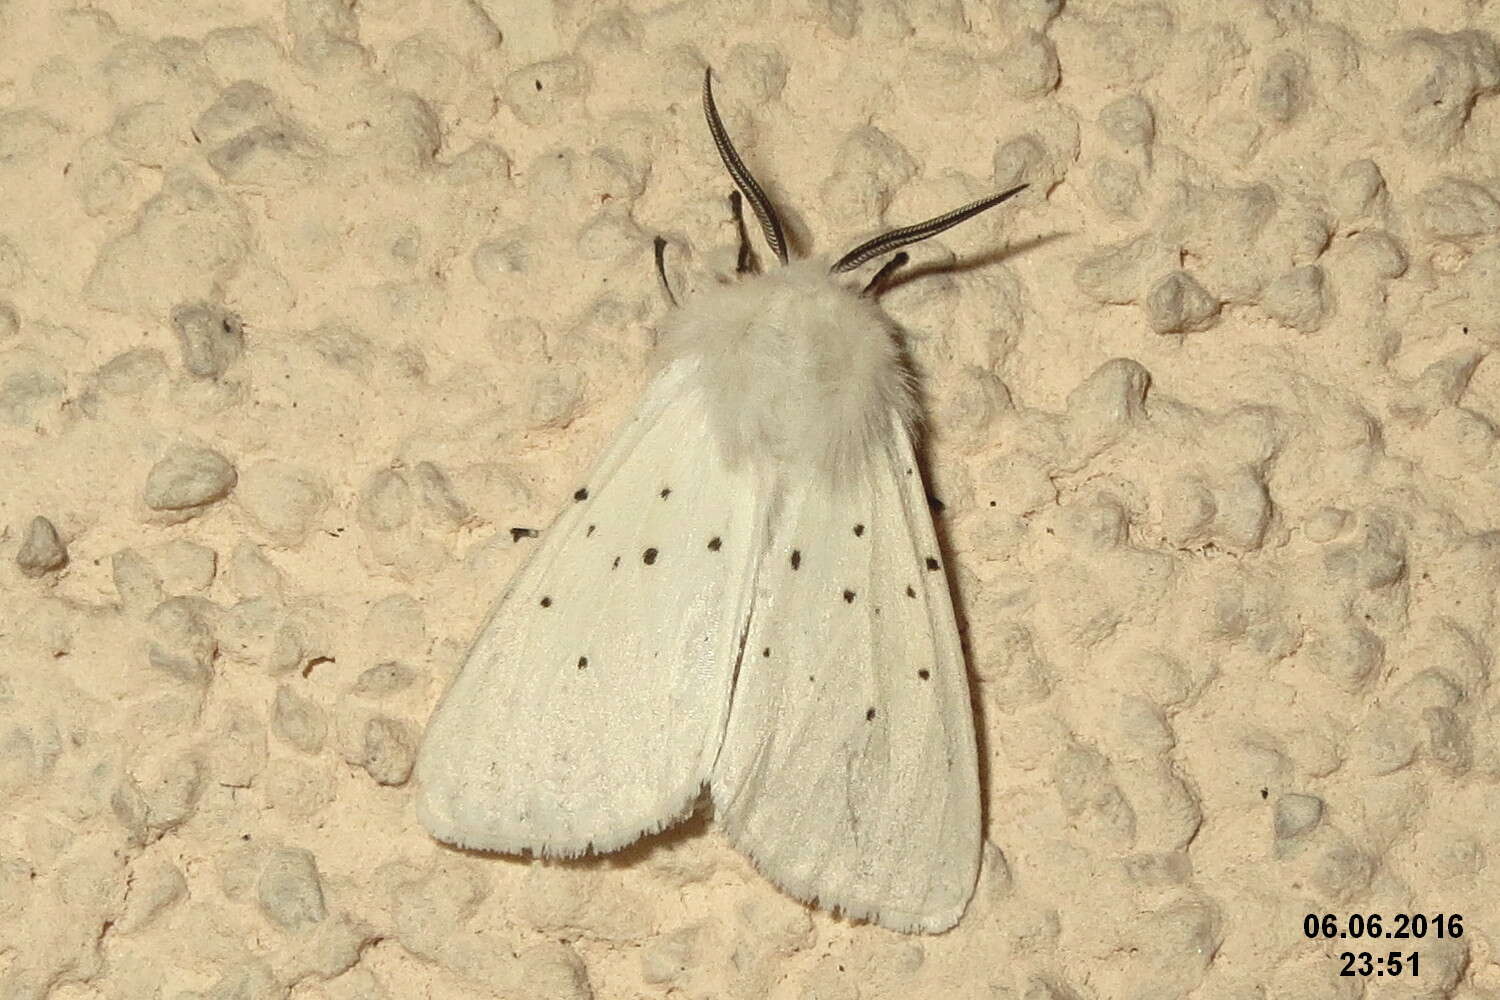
(1380, 944)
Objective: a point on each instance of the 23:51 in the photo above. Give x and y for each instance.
(1363, 963)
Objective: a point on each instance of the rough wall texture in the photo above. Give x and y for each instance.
(305, 305)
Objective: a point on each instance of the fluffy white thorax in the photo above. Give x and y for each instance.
(795, 368)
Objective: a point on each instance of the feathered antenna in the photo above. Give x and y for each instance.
(886, 242)
(759, 203)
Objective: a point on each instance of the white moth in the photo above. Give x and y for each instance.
(745, 594)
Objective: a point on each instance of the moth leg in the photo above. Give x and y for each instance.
(886, 270)
(743, 263)
(661, 270)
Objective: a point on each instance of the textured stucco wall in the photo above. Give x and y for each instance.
(304, 306)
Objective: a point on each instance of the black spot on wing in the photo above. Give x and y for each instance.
(924, 673)
(649, 557)
(796, 558)
(666, 491)
(589, 532)
(766, 652)
(581, 494)
(933, 565)
(583, 662)
(869, 715)
(516, 534)
(714, 543)
(546, 602)
(910, 592)
(848, 597)
(859, 531)
(615, 564)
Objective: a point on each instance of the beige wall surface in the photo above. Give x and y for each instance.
(305, 305)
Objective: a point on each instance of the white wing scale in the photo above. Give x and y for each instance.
(592, 704)
(848, 770)
(585, 716)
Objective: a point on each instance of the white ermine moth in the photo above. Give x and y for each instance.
(746, 593)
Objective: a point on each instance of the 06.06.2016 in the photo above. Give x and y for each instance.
(1374, 925)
